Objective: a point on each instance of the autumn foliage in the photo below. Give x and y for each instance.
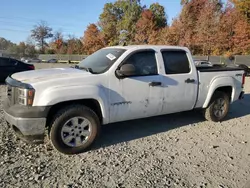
(145, 27)
(207, 27)
(92, 39)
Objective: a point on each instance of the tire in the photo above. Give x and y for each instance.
(71, 124)
(213, 108)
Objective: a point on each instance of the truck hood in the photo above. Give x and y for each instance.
(47, 74)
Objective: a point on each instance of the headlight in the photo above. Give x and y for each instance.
(25, 96)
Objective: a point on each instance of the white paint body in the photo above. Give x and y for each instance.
(131, 98)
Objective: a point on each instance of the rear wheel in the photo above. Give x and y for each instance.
(218, 107)
(74, 129)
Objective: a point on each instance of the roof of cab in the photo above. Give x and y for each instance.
(129, 47)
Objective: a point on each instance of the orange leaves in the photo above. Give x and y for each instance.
(146, 26)
(93, 39)
(234, 32)
(243, 6)
(206, 27)
(58, 43)
(241, 37)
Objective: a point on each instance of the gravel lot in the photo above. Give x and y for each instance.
(179, 150)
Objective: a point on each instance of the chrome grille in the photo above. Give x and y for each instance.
(11, 94)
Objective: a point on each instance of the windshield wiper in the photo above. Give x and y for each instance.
(84, 68)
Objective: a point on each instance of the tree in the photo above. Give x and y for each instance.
(184, 2)
(146, 26)
(241, 37)
(30, 50)
(234, 32)
(74, 45)
(40, 33)
(108, 23)
(224, 42)
(129, 14)
(243, 6)
(92, 39)
(118, 21)
(207, 27)
(197, 24)
(5, 44)
(57, 41)
(159, 14)
(30, 41)
(204, 26)
(18, 50)
(172, 35)
(22, 48)
(188, 18)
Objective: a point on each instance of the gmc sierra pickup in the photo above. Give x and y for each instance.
(115, 84)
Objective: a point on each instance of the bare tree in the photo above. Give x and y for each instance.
(57, 35)
(40, 33)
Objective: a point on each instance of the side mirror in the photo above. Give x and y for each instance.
(126, 70)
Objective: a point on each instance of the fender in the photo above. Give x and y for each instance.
(216, 83)
(55, 95)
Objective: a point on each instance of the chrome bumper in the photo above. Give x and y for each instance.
(27, 126)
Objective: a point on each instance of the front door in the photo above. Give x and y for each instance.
(136, 96)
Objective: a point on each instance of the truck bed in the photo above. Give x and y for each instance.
(207, 76)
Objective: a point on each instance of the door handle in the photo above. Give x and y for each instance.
(153, 84)
(189, 80)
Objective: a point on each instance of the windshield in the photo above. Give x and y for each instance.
(101, 60)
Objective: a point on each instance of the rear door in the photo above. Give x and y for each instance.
(180, 82)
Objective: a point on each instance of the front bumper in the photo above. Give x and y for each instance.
(27, 126)
(28, 122)
(28, 129)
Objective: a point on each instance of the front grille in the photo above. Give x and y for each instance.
(11, 94)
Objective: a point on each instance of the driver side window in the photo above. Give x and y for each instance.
(144, 62)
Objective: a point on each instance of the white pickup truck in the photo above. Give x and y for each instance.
(115, 84)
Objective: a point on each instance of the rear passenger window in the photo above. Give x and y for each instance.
(176, 62)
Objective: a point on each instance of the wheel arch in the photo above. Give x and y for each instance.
(228, 89)
(93, 104)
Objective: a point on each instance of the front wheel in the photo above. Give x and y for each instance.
(74, 129)
(218, 107)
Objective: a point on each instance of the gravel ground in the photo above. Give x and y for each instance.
(179, 150)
